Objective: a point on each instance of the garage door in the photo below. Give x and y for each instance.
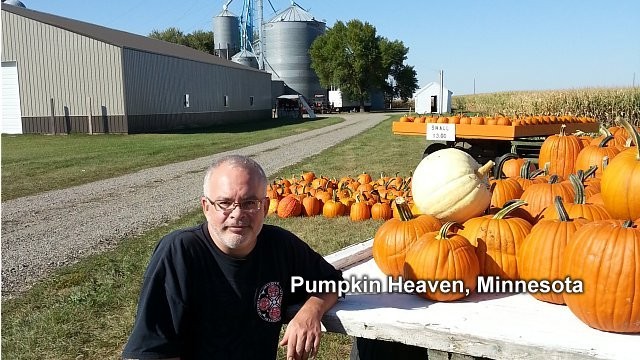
(11, 117)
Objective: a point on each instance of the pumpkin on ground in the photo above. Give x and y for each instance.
(289, 206)
(393, 238)
(620, 184)
(604, 255)
(443, 256)
(497, 239)
(450, 185)
(540, 256)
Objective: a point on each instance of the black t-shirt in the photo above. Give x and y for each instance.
(198, 303)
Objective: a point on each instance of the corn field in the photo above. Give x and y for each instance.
(603, 104)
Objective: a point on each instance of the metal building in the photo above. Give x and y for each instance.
(288, 37)
(61, 75)
(226, 32)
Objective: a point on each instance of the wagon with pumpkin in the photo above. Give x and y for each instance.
(486, 138)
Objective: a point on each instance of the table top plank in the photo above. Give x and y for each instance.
(498, 326)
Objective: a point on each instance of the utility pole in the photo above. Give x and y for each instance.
(441, 90)
(474, 86)
(260, 37)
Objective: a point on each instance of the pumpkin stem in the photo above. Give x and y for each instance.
(403, 209)
(485, 169)
(628, 224)
(553, 179)
(498, 174)
(578, 186)
(590, 172)
(512, 205)
(525, 170)
(633, 133)
(444, 230)
(562, 212)
(604, 141)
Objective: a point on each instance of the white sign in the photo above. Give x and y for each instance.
(443, 132)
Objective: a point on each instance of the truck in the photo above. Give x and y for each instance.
(320, 104)
(340, 103)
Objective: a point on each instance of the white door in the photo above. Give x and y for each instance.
(11, 116)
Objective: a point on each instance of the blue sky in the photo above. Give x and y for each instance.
(502, 45)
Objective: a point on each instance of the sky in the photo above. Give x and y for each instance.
(480, 46)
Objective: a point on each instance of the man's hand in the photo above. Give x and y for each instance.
(302, 336)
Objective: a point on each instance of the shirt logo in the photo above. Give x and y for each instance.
(269, 303)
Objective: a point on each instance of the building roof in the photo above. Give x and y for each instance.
(122, 38)
(432, 85)
(293, 13)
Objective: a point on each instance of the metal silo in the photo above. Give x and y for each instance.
(245, 57)
(226, 34)
(288, 37)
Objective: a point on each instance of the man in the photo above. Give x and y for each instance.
(219, 290)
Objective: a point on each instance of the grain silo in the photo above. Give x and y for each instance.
(245, 57)
(226, 34)
(288, 37)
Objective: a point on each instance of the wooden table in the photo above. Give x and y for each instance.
(497, 326)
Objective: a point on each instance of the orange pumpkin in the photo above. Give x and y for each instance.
(540, 256)
(580, 207)
(593, 155)
(604, 255)
(560, 151)
(620, 184)
(540, 196)
(504, 189)
(333, 208)
(289, 206)
(395, 236)
(443, 256)
(497, 239)
(359, 210)
(381, 211)
(511, 167)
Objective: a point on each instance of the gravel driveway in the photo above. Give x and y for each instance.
(43, 232)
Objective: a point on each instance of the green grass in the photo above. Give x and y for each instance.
(85, 311)
(33, 164)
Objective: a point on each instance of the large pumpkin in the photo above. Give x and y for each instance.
(540, 256)
(444, 257)
(560, 151)
(540, 196)
(393, 238)
(594, 154)
(450, 185)
(604, 256)
(620, 183)
(497, 239)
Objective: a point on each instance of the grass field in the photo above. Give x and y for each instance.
(33, 164)
(85, 311)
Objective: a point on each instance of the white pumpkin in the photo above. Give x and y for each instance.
(450, 185)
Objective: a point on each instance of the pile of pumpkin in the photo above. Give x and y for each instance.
(499, 119)
(360, 197)
(575, 219)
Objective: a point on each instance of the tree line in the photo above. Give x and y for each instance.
(349, 56)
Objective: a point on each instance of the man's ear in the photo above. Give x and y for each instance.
(265, 205)
(205, 204)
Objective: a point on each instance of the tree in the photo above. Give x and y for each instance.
(402, 79)
(353, 58)
(349, 57)
(199, 39)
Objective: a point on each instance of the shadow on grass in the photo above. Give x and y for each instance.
(241, 127)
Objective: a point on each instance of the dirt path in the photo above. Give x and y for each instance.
(41, 233)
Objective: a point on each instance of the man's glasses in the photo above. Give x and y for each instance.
(227, 207)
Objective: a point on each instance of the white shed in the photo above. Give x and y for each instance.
(427, 99)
